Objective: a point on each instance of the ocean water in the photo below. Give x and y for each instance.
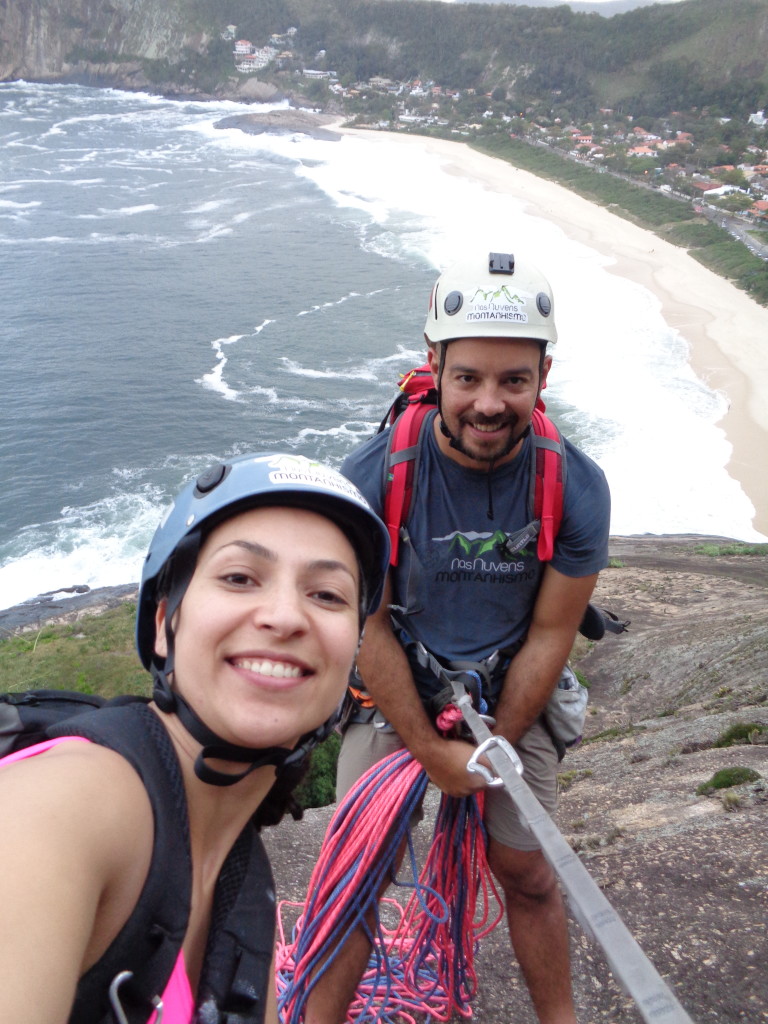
(173, 293)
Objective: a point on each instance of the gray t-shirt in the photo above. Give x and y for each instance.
(459, 592)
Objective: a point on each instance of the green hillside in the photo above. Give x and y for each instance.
(692, 54)
(655, 59)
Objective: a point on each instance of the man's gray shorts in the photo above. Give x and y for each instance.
(363, 746)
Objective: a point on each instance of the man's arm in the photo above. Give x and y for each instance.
(535, 669)
(387, 675)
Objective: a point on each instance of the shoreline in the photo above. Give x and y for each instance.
(68, 604)
(726, 331)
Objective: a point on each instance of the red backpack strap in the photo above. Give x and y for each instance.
(547, 480)
(406, 415)
(400, 468)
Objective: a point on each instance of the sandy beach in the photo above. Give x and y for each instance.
(727, 332)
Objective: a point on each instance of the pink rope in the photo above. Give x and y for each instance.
(424, 963)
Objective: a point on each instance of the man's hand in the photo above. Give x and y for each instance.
(446, 767)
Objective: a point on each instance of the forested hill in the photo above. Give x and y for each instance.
(650, 60)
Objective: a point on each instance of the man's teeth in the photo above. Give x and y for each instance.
(277, 669)
(487, 428)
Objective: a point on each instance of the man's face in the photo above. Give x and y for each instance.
(488, 392)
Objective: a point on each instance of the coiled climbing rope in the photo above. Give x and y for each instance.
(422, 958)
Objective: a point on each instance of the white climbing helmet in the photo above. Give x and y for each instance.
(493, 297)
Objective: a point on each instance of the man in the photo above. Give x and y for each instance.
(489, 325)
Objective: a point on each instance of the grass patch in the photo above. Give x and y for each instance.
(96, 654)
(581, 678)
(734, 548)
(615, 563)
(741, 732)
(616, 732)
(566, 779)
(695, 235)
(726, 778)
(318, 788)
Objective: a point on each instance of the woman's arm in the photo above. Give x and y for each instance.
(75, 846)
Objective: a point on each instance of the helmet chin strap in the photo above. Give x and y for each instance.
(169, 701)
(213, 746)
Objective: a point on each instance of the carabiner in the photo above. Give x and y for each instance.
(117, 1006)
(473, 765)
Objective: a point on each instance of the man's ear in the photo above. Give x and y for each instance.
(433, 361)
(546, 366)
(161, 641)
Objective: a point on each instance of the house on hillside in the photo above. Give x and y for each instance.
(706, 188)
(642, 151)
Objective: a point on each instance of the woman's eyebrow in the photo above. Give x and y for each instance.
(254, 548)
(324, 564)
(321, 564)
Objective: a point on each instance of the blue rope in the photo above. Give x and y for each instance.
(412, 972)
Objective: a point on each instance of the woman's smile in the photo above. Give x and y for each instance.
(268, 667)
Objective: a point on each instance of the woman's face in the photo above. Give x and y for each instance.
(268, 628)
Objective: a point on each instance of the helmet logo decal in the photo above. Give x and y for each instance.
(497, 304)
(290, 470)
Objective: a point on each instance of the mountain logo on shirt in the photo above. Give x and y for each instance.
(476, 545)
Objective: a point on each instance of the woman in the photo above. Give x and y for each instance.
(132, 875)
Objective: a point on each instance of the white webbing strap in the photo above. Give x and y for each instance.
(628, 963)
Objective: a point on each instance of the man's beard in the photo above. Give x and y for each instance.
(490, 458)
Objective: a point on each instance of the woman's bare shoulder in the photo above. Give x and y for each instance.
(75, 848)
